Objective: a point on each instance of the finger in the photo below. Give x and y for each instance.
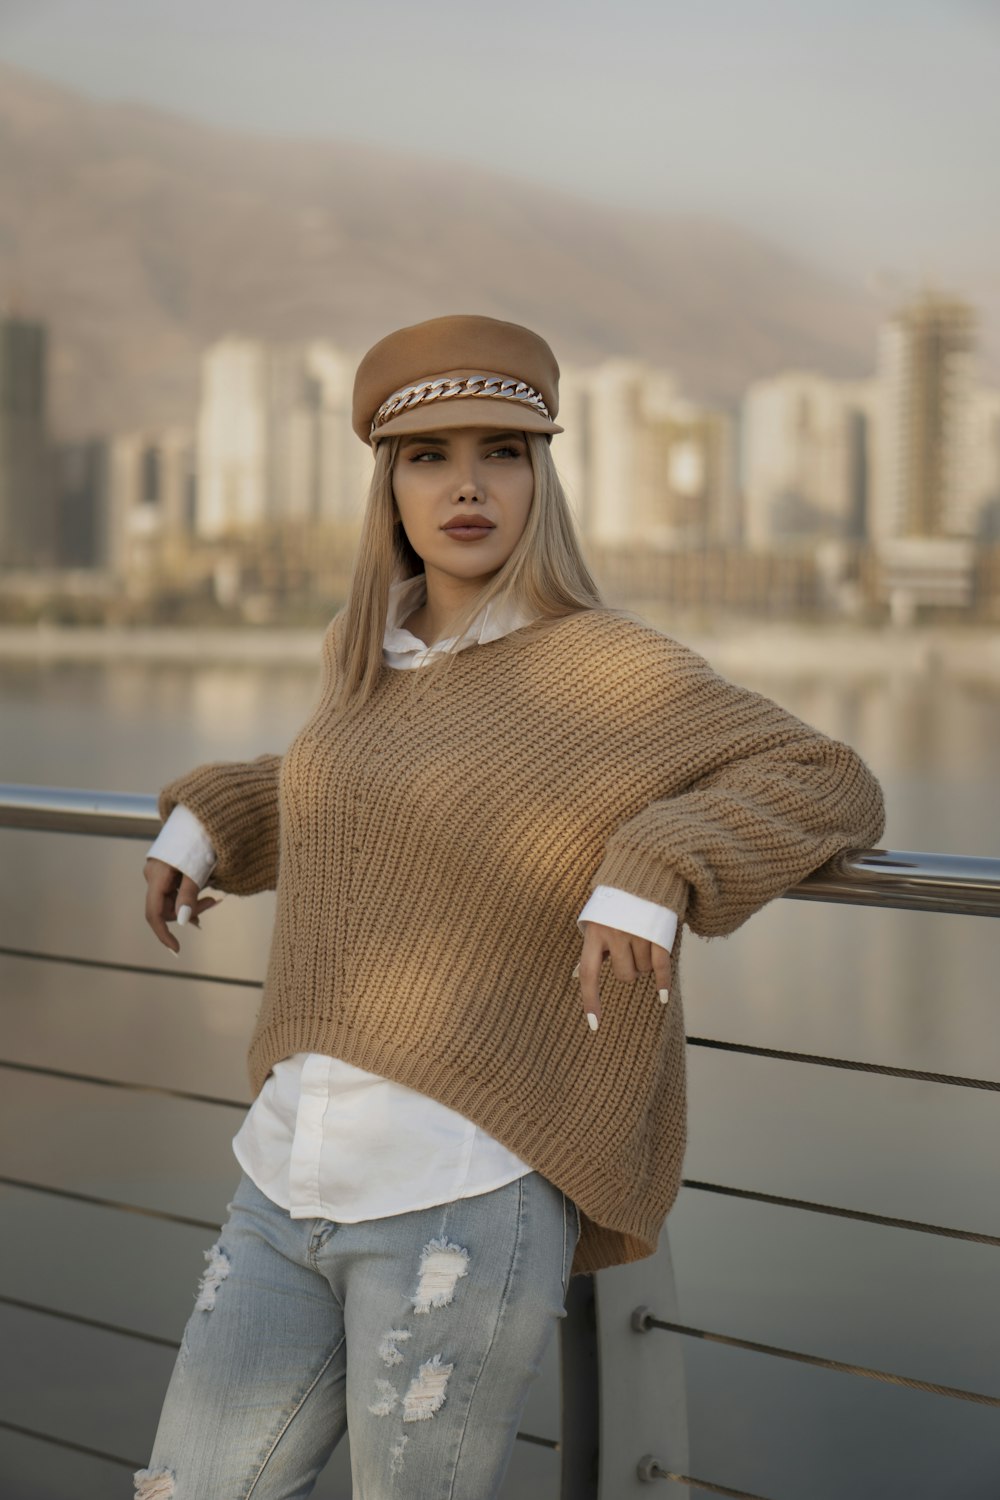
(186, 900)
(642, 954)
(588, 970)
(204, 903)
(161, 879)
(663, 970)
(622, 962)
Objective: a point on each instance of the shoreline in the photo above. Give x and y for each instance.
(781, 649)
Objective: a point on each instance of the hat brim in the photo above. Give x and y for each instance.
(466, 411)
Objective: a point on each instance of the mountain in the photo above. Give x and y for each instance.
(139, 236)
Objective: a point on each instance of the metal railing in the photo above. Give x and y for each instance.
(618, 1434)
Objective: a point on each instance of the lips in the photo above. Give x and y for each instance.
(467, 521)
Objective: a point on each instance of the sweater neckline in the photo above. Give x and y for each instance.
(469, 658)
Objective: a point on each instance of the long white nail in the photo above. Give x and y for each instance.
(591, 1020)
(183, 916)
(576, 972)
(664, 996)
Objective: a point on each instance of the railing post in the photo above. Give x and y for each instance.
(643, 1390)
(580, 1384)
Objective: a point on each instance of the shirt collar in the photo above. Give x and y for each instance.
(407, 594)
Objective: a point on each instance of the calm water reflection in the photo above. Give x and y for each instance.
(892, 987)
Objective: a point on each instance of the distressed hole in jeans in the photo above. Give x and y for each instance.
(442, 1265)
(212, 1278)
(396, 1454)
(388, 1349)
(427, 1390)
(153, 1484)
(386, 1399)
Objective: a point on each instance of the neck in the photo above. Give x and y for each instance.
(447, 598)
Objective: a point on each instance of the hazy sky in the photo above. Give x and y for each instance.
(863, 131)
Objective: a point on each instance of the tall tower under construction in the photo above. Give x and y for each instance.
(926, 365)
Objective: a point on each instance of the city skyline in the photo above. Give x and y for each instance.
(841, 494)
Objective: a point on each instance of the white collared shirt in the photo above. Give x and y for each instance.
(324, 1139)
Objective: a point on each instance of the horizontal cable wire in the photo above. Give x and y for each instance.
(97, 1202)
(148, 1338)
(522, 1437)
(58, 1442)
(883, 1069)
(747, 1194)
(68, 1317)
(841, 1213)
(657, 1472)
(818, 1060)
(824, 1364)
(778, 1200)
(134, 1464)
(107, 963)
(539, 1442)
(118, 1083)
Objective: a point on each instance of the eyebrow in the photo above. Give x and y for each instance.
(441, 440)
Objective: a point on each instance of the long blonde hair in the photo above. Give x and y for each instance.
(546, 575)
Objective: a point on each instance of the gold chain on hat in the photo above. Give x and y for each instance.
(493, 386)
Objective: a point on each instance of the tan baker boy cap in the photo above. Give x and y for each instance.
(462, 371)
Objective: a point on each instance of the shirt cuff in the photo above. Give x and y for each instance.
(183, 843)
(634, 914)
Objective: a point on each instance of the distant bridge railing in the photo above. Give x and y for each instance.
(624, 1419)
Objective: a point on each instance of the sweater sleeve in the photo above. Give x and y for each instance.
(237, 802)
(765, 800)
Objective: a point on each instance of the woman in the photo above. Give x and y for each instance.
(450, 1112)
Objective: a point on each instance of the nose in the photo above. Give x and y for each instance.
(470, 489)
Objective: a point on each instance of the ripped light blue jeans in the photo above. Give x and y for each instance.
(419, 1333)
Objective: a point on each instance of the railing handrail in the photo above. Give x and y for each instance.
(901, 879)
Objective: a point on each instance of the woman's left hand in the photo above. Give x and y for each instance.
(630, 956)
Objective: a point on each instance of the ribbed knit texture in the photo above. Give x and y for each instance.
(431, 857)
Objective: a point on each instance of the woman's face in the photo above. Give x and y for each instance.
(442, 478)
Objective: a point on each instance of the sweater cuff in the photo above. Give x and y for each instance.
(636, 870)
(237, 804)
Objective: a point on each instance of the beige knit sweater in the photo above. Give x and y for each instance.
(431, 857)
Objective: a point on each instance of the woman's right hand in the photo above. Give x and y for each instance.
(167, 891)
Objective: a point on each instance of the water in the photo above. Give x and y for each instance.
(893, 987)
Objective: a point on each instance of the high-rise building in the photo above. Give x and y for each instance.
(984, 471)
(688, 480)
(27, 507)
(275, 441)
(340, 467)
(150, 499)
(232, 441)
(806, 441)
(641, 462)
(570, 448)
(81, 485)
(924, 479)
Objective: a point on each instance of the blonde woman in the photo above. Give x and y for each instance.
(504, 784)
